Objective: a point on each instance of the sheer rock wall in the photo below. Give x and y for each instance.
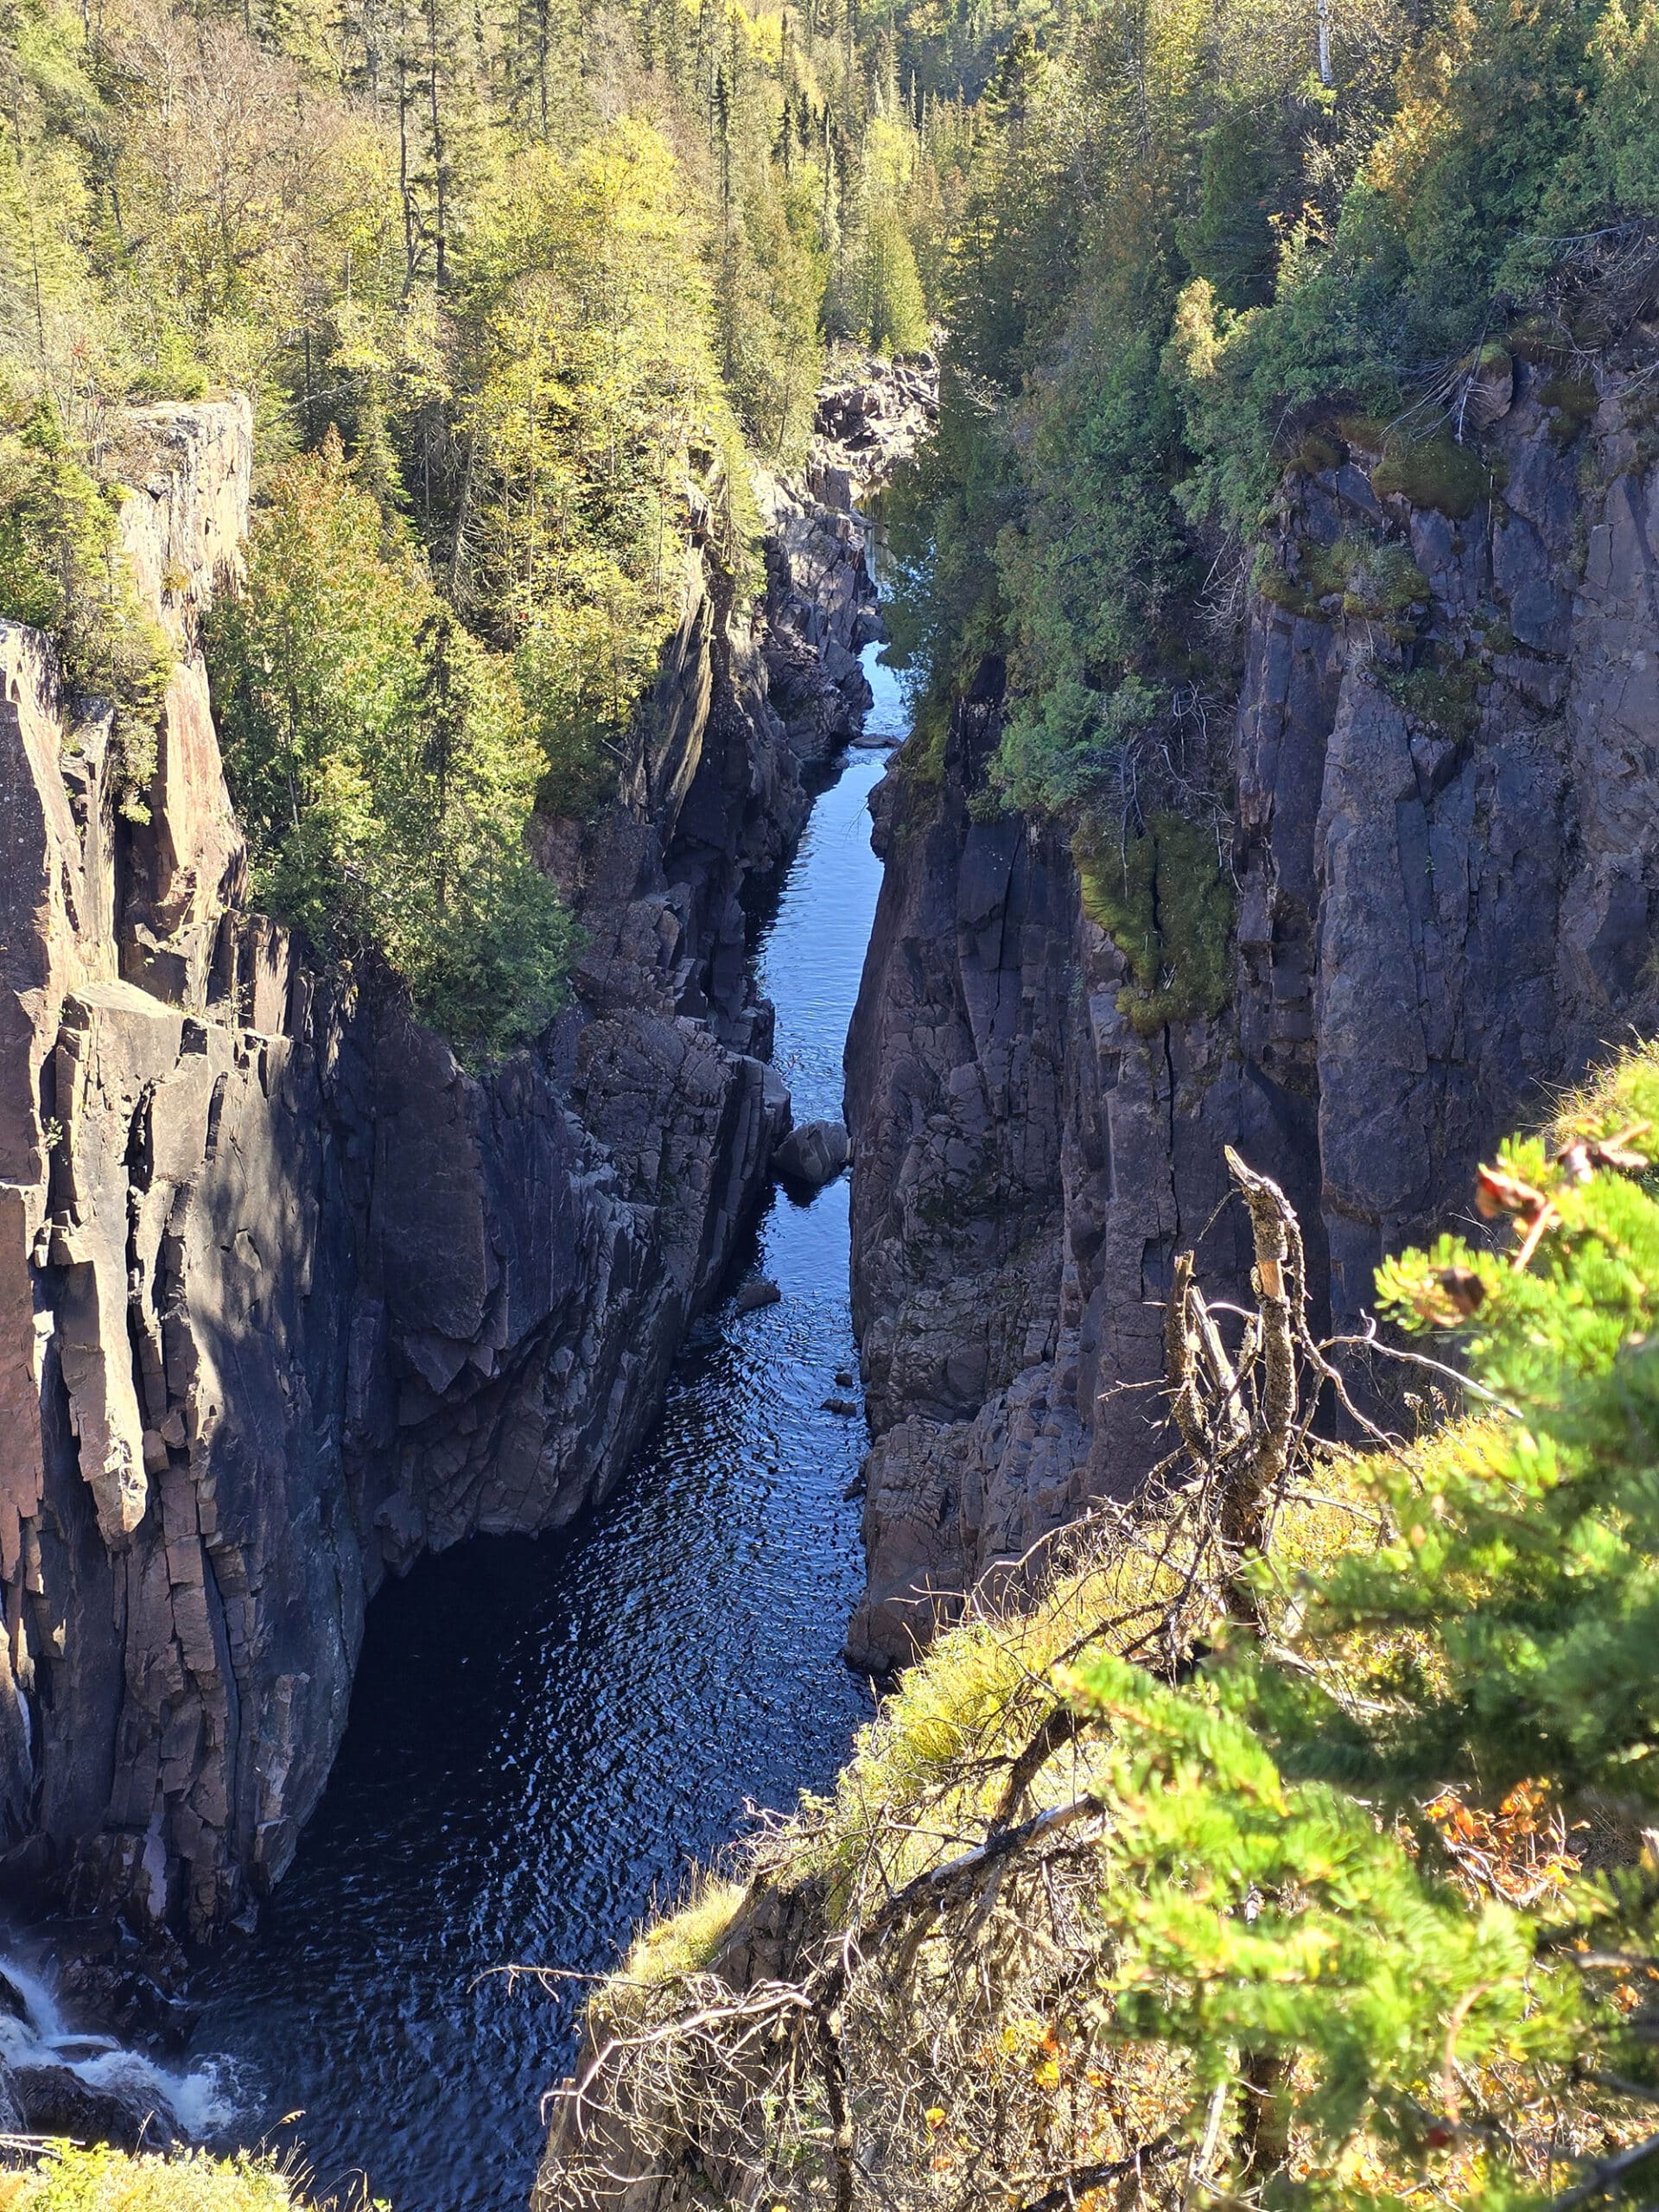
(286, 1296)
(1437, 922)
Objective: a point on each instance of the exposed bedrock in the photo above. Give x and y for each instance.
(286, 1296)
(1446, 899)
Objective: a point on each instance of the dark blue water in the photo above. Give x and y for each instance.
(543, 1734)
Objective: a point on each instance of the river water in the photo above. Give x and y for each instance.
(543, 1733)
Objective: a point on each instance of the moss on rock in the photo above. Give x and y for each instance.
(1165, 900)
(1434, 471)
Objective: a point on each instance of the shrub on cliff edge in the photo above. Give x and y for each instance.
(1245, 1865)
(62, 571)
(104, 2180)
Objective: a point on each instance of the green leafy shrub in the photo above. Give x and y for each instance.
(1271, 582)
(63, 572)
(103, 2180)
(920, 759)
(172, 371)
(1374, 578)
(382, 764)
(1089, 578)
(1062, 743)
(1444, 694)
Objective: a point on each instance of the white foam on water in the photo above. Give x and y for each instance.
(40, 2001)
(201, 2100)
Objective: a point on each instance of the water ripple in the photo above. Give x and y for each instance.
(543, 1733)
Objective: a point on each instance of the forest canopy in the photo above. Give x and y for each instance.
(520, 292)
(1192, 245)
(555, 275)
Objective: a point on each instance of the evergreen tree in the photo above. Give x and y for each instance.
(380, 763)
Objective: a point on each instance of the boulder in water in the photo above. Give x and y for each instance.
(757, 1293)
(58, 2100)
(814, 1154)
(131, 1988)
(134, 2003)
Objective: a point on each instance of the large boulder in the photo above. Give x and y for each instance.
(815, 1153)
(126, 2111)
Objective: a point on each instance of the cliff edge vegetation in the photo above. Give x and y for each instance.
(1285, 1838)
(1200, 253)
(517, 295)
(61, 2177)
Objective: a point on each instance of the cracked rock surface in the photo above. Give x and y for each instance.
(1442, 914)
(286, 1296)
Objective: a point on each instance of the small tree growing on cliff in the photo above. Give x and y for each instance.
(62, 571)
(381, 763)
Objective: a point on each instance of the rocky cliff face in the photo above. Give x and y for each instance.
(287, 1296)
(1442, 834)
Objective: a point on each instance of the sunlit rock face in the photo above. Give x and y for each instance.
(286, 1296)
(1445, 906)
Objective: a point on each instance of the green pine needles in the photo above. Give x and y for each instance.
(1282, 1874)
(1256, 1914)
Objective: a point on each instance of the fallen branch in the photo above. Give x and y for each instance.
(1066, 2191)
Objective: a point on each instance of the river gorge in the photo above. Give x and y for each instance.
(829, 1106)
(543, 1733)
(421, 1535)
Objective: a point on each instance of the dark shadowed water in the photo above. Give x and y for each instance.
(543, 1733)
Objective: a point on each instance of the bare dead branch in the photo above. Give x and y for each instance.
(1066, 2191)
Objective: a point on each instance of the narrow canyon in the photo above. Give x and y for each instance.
(290, 1297)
